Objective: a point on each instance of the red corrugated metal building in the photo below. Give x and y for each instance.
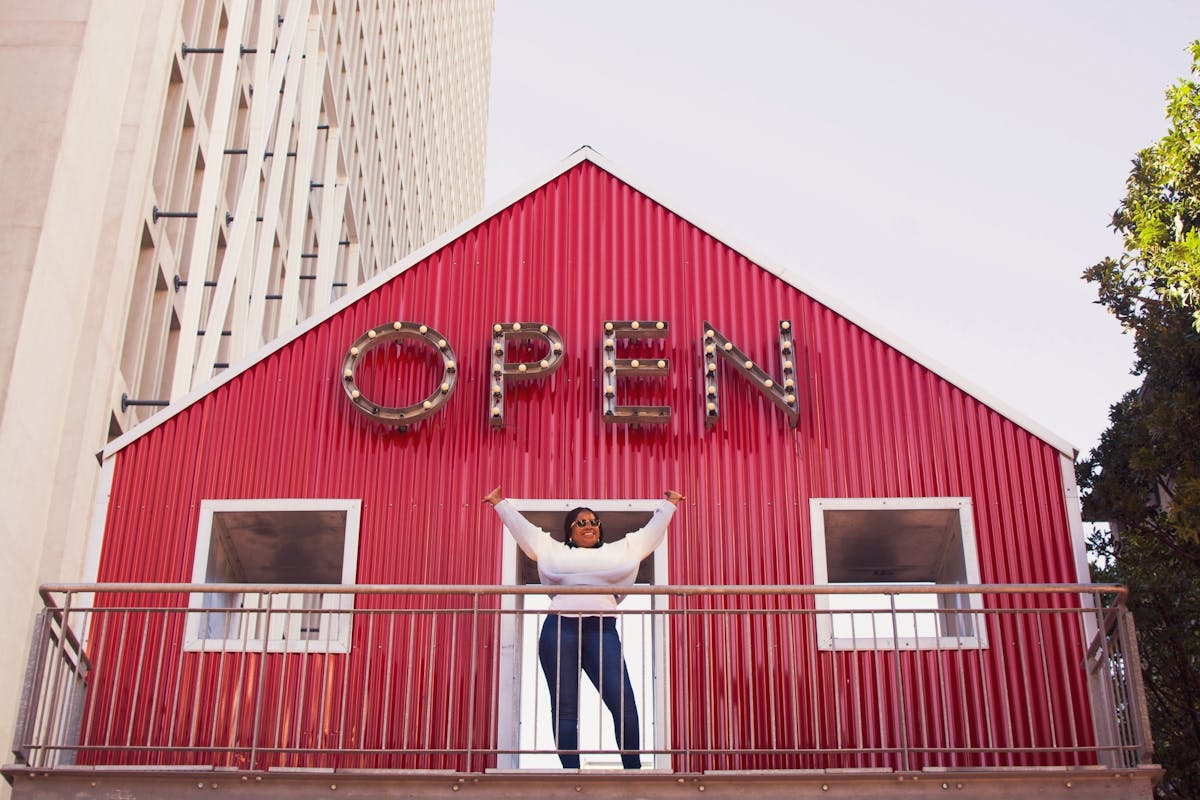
(872, 420)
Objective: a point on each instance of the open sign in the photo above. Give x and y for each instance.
(781, 390)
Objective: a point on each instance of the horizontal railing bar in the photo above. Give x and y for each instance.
(695, 751)
(616, 612)
(377, 751)
(494, 589)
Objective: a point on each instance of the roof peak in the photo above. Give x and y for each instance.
(575, 158)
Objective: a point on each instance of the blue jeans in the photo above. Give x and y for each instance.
(568, 643)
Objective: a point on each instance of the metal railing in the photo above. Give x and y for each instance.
(862, 677)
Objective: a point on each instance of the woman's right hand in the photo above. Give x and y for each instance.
(493, 497)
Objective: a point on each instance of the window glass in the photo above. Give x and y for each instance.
(265, 542)
(906, 543)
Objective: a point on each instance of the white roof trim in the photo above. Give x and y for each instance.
(586, 153)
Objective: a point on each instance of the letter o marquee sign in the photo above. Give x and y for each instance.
(401, 416)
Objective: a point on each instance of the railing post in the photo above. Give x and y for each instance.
(262, 671)
(51, 718)
(1098, 663)
(899, 684)
(474, 679)
(686, 665)
(31, 691)
(1139, 714)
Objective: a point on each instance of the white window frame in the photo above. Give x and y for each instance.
(826, 637)
(509, 713)
(283, 634)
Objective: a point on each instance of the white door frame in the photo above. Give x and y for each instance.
(509, 695)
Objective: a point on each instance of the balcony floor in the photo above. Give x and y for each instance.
(83, 783)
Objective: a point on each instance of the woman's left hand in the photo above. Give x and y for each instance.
(674, 496)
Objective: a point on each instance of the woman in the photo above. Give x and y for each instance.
(580, 631)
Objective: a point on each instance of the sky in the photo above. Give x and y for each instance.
(945, 170)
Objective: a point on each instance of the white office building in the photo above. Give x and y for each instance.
(184, 179)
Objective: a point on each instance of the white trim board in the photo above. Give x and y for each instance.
(509, 712)
(827, 637)
(199, 612)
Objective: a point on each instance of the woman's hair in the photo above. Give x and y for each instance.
(570, 523)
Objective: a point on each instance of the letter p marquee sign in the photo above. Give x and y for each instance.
(504, 370)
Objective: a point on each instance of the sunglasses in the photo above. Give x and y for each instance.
(586, 523)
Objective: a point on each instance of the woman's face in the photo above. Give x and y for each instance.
(585, 530)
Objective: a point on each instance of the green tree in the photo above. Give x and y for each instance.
(1129, 480)
(1144, 477)
(1160, 216)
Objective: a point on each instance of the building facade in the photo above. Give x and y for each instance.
(197, 177)
(877, 582)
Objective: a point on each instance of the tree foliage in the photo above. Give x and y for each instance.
(1159, 218)
(1144, 477)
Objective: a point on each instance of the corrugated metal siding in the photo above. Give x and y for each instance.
(582, 249)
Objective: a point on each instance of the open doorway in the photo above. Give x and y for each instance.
(524, 722)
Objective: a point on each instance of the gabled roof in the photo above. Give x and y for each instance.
(579, 156)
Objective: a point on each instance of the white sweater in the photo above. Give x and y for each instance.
(613, 564)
